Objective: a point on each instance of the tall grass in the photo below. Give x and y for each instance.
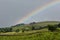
(41, 35)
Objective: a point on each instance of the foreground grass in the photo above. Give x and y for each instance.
(34, 35)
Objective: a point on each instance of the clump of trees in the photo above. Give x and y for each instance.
(58, 25)
(52, 27)
(23, 29)
(32, 23)
(17, 30)
(33, 28)
(5, 29)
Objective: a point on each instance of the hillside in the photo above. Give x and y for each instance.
(38, 24)
(39, 31)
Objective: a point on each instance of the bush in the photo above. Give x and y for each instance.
(59, 25)
(23, 29)
(33, 28)
(52, 27)
(17, 30)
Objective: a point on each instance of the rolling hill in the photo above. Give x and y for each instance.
(41, 34)
(37, 24)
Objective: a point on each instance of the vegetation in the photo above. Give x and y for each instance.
(43, 34)
(32, 26)
(52, 27)
(59, 25)
(17, 30)
(32, 31)
(5, 29)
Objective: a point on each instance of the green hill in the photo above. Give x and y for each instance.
(40, 34)
(38, 24)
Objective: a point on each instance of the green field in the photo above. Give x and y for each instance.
(43, 34)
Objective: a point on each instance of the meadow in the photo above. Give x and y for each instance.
(43, 34)
(39, 34)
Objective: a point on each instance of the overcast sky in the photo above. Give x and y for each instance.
(13, 10)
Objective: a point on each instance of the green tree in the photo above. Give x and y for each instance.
(6, 29)
(52, 27)
(33, 28)
(59, 25)
(32, 23)
(17, 30)
(23, 29)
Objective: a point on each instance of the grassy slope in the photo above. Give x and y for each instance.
(38, 24)
(43, 34)
(47, 23)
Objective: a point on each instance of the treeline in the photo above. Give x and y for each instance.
(6, 29)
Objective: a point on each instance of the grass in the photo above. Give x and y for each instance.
(43, 34)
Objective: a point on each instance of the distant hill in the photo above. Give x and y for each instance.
(38, 24)
(47, 23)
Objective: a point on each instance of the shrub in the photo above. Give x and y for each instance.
(52, 27)
(23, 29)
(17, 30)
(33, 28)
(59, 25)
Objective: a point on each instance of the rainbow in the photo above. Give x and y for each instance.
(38, 10)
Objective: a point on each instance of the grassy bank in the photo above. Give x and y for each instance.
(34, 35)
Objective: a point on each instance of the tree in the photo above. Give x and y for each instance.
(33, 28)
(23, 29)
(59, 25)
(10, 29)
(7, 29)
(17, 30)
(52, 27)
(32, 23)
